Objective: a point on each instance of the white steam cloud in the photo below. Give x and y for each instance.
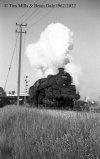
(74, 70)
(52, 51)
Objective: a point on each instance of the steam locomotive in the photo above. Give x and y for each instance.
(54, 91)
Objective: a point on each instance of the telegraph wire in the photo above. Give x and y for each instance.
(37, 11)
(42, 17)
(11, 62)
(24, 13)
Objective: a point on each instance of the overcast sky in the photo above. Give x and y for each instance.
(83, 21)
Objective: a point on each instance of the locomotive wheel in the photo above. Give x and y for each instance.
(68, 103)
(61, 103)
(71, 103)
(40, 100)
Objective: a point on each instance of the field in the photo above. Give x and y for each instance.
(27, 133)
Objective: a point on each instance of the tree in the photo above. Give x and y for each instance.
(13, 92)
(9, 93)
(2, 92)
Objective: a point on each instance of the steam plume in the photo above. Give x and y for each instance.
(51, 51)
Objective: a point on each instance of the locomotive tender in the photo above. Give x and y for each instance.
(54, 91)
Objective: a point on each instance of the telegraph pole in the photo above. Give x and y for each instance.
(19, 65)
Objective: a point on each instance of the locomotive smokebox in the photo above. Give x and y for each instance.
(61, 70)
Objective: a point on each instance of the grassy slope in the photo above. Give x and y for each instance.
(27, 133)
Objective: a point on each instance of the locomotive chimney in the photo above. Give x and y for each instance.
(61, 70)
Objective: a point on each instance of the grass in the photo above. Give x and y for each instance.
(27, 133)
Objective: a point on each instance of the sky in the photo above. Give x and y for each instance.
(83, 21)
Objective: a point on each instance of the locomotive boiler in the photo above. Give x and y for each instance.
(54, 91)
